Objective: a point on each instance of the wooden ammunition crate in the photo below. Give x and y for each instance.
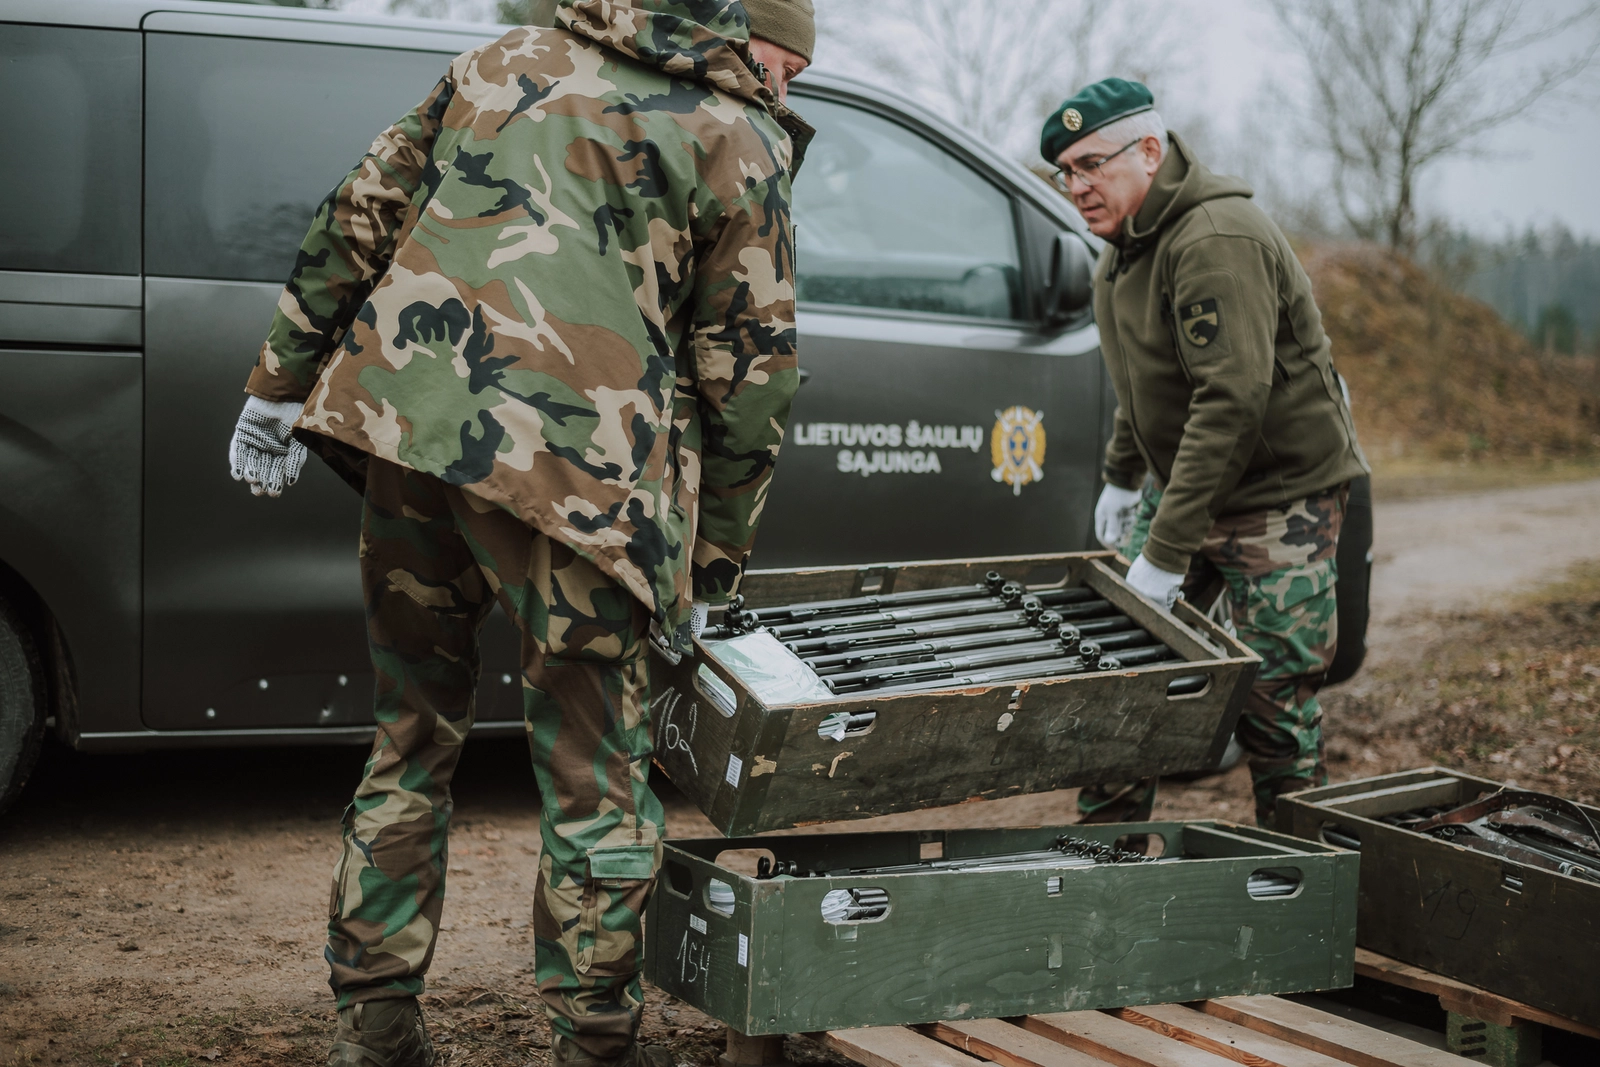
(986, 944)
(1515, 930)
(751, 767)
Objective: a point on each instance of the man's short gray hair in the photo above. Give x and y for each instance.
(1136, 128)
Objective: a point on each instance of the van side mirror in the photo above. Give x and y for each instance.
(1070, 289)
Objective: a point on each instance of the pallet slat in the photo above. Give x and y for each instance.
(1226, 1039)
(1341, 1039)
(895, 1046)
(1117, 1042)
(1461, 997)
(1009, 1045)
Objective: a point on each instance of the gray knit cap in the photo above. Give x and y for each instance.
(791, 24)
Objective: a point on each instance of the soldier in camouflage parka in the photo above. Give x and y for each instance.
(565, 283)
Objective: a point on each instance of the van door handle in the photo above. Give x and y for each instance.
(805, 376)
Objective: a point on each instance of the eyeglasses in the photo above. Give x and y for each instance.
(1090, 174)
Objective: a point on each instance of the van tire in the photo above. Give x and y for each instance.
(24, 703)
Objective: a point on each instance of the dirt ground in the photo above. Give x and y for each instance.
(164, 909)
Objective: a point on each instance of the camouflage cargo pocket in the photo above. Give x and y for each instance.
(614, 896)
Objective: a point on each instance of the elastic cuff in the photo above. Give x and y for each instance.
(1121, 479)
(1169, 558)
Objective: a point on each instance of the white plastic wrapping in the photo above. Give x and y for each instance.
(769, 670)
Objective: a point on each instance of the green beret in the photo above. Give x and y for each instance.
(1090, 108)
(789, 24)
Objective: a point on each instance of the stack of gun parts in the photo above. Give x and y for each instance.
(1065, 853)
(994, 631)
(1535, 829)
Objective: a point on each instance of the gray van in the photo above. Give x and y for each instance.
(955, 402)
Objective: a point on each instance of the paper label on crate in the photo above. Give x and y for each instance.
(744, 951)
(697, 924)
(735, 769)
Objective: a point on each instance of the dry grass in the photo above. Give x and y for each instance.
(1507, 694)
(1440, 383)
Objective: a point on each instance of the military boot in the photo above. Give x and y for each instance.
(565, 1053)
(382, 1033)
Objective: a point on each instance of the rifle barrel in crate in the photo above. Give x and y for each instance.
(875, 929)
(1509, 901)
(946, 682)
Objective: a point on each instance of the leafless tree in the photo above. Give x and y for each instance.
(996, 67)
(1397, 85)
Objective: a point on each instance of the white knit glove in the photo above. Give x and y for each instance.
(1152, 582)
(699, 610)
(1113, 514)
(262, 453)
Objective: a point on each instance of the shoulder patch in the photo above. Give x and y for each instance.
(1200, 322)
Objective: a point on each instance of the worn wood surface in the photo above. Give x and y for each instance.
(1463, 998)
(1228, 1040)
(1008, 942)
(765, 768)
(1008, 1045)
(895, 1046)
(1516, 933)
(1249, 1031)
(1116, 1041)
(1340, 1039)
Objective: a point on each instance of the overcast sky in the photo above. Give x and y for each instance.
(1543, 170)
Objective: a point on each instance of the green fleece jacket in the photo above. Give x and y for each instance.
(1225, 385)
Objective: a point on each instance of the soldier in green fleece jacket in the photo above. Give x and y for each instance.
(1227, 398)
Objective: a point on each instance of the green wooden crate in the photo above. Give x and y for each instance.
(971, 945)
(1515, 930)
(752, 768)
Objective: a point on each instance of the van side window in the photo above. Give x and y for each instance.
(885, 218)
(247, 137)
(69, 189)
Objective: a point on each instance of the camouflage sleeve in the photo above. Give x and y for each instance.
(747, 370)
(349, 246)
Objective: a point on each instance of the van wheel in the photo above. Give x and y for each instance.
(22, 704)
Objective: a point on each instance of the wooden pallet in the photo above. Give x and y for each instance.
(1254, 1031)
(1459, 998)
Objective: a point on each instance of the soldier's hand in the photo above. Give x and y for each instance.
(1113, 515)
(1152, 582)
(262, 453)
(699, 611)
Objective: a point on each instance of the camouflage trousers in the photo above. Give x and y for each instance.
(1277, 571)
(434, 560)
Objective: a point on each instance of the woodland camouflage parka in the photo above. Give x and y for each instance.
(565, 282)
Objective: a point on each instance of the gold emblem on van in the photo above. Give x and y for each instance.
(1016, 446)
(1072, 119)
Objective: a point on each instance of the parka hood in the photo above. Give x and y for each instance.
(1180, 184)
(701, 40)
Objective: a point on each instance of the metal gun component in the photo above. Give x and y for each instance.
(1506, 799)
(887, 654)
(990, 621)
(1010, 596)
(1120, 639)
(992, 583)
(1066, 852)
(950, 665)
(1147, 656)
(1016, 672)
(1538, 820)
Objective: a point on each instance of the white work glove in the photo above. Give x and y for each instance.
(1113, 514)
(698, 612)
(262, 453)
(1151, 581)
